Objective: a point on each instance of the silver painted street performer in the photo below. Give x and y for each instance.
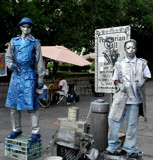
(24, 58)
(130, 75)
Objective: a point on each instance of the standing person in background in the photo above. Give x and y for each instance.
(24, 58)
(130, 75)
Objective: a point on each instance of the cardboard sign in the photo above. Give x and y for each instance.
(109, 47)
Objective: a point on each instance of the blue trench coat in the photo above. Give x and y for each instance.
(22, 89)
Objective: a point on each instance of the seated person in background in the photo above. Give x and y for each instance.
(62, 87)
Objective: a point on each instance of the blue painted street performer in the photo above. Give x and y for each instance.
(130, 75)
(24, 58)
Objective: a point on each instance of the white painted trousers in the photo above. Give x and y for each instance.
(16, 120)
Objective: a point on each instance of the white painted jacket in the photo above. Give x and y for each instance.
(120, 96)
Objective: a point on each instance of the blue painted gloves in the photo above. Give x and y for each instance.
(40, 85)
(14, 67)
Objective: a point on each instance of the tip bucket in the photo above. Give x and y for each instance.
(53, 158)
(73, 114)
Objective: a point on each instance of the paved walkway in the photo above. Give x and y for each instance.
(50, 115)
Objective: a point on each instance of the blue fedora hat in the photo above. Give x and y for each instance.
(26, 20)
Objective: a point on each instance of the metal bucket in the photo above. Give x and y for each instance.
(53, 158)
(73, 114)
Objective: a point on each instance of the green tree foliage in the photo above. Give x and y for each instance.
(5, 13)
(139, 14)
(72, 22)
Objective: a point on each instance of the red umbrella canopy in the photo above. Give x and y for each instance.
(63, 54)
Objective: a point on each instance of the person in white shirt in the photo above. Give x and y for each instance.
(130, 75)
(62, 87)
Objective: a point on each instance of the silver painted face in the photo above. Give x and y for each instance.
(26, 29)
(130, 49)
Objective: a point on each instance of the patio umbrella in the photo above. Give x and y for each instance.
(63, 54)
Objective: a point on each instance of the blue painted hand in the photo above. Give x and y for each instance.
(40, 85)
(14, 67)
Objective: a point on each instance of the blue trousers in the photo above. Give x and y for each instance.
(131, 112)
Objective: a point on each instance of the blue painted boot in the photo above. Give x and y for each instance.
(34, 137)
(13, 134)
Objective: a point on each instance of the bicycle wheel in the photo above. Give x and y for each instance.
(45, 102)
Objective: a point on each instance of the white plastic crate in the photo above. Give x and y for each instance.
(20, 148)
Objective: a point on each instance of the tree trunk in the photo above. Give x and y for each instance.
(55, 68)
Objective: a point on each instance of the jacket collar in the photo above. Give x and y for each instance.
(31, 38)
(27, 43)
(131, 61)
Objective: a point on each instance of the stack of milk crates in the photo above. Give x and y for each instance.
(20, 148)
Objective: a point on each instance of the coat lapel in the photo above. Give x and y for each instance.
(25, 43)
